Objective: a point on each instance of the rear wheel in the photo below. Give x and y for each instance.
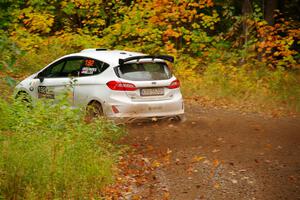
(94, 110)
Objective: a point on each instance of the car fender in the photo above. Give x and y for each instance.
(21, 89)
(25, 86)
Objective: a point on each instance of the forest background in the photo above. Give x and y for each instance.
(238, 50)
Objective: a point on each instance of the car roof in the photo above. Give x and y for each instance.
(108, 56)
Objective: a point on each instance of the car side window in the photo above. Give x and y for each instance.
(53, 70)
(92, 67)
(72, 67)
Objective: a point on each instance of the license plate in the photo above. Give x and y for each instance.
(152, 91)
(154, 108)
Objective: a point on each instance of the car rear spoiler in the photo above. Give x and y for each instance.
(163, 57)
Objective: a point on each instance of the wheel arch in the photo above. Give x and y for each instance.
(94, 101)
(94, 108)
(21, 91)
(90, 102)
(23, 95)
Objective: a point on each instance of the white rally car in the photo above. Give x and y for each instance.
(116, 84)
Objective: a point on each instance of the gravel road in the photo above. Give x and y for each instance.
(219, 154)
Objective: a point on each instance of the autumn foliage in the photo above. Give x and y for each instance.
(199, 33)
(276, 42)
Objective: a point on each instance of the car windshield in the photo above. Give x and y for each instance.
(144, 71)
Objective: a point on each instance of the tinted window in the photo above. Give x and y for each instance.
(53, 70)
(72, 67)
(92, 67)
(144, 71)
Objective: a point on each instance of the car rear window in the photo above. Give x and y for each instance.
(144, 71)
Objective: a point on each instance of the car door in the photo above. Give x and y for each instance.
(88, 85)
(58, 79)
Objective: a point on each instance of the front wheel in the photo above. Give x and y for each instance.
(24, 98)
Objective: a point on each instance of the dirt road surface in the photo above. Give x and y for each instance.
(218, 154)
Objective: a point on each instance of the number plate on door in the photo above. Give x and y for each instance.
(45, 92)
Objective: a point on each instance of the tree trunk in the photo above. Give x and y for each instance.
(270, 6)
(247, 11)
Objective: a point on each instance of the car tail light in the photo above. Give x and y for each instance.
(174, 84)
(122, 86)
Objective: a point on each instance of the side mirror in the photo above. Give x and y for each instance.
(41, 79)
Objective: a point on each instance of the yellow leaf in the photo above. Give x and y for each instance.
(198, 158)
(217, 186)
(156, 164)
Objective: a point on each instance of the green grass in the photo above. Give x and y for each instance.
(49, 152)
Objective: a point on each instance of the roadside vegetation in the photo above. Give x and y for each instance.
(241, 51)
(50, 152)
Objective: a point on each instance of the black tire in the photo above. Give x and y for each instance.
(94, 110)
(179, 118)
(23, 97)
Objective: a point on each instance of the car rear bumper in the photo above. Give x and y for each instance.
(130, 109)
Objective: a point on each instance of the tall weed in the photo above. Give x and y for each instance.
(49, 152)
(249, 82)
